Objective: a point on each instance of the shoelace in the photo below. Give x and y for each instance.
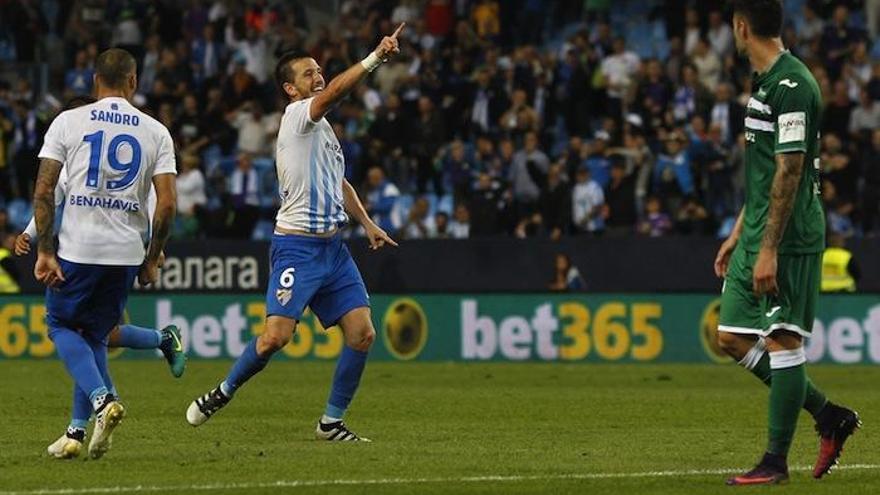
(212, 401)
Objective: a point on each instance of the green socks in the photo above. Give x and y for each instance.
(788, 389)
(757, 361)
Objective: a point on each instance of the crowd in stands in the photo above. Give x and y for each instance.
(527, 118)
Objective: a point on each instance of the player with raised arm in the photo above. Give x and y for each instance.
(311, 266)
(110, 153)
(772, 261)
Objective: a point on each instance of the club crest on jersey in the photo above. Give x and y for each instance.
(283, 296)
(762, 92)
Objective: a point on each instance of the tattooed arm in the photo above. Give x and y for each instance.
(47, 270)
(789, 167)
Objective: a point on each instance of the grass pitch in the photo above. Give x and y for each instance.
(437, 428)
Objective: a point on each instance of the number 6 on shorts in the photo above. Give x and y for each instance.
(286, 279)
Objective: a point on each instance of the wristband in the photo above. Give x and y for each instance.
(372, 62)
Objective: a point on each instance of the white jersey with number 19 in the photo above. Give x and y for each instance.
(310, 170)
(110, 151)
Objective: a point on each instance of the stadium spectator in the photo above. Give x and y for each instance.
(672, 171)
(717, 168)
(708, 65)
(566, 276)
(654, 91)
(837, 168)
(485, 16)
(619, 209)
(441, 226)
(78, 80)
(555, 201)
(597, 158)
(255, 130)
(618, 72)
(389, 128)
(691, 98)
(191, 196)
(588, 203)
(656, 223)
(187, 132)
(460, 226)
(531, 226)
(837, 40)
(244, 192)
(836, 115)
(720, 35)
(692, 218)
(810, 26)
(428, 134)
(418, 223)
(241, 84)
(519, 118)
(526, 162)
(864, 118)
(150, 65)
(676, 60)
(27, 139)
(458, 171)
(727, 114)
(381, 196)
(206, 53)
(487, 204)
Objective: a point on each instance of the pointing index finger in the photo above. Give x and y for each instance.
(398, 30)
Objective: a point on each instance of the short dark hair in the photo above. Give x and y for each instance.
(78, 101)
(764, 16)
(114, 66)
(284, 69)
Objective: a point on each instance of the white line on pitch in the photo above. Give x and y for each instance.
(405, 481)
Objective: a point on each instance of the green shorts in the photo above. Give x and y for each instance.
(793, 309)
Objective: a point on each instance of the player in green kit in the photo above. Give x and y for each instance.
(772, 261)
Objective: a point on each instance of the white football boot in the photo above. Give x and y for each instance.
(105, 422)
(65, 448)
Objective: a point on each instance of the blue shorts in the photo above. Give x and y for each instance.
(91, 299)
(315, 272)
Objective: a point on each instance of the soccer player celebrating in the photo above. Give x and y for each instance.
(771, 263)
(110, 153)
(310, 264)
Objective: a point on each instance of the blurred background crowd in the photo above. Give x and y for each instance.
(525, 118)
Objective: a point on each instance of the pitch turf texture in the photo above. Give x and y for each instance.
(437, 428)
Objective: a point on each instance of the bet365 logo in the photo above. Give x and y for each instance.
(569, 331)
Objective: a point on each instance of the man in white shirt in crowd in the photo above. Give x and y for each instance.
(587, 199)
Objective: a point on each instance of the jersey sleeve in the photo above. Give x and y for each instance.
(54, 146)
(795, 107)
(299, 117)
(165, 161)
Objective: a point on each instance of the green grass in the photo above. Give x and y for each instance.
(441, 422)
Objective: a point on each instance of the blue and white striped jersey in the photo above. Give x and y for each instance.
(311, 169)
